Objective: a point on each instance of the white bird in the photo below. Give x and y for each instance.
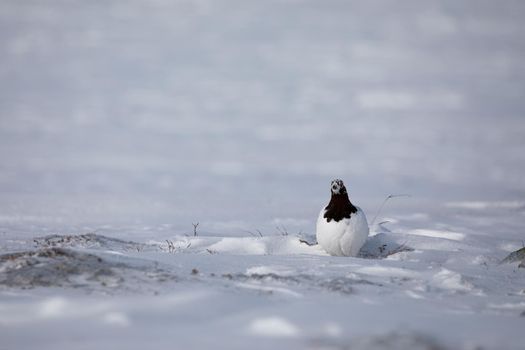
(342, 228)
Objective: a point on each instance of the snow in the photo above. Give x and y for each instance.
(456, 236)
(273, 327)
(296, 298)
(122, 123)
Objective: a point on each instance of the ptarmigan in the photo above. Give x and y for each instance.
(342, 228)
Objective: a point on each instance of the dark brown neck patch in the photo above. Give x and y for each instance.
(339, 208)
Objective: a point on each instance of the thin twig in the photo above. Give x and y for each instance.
(258, 234)
(306, 242)
(195, 229)
(384, 202)
(171, 246)
(282, 230)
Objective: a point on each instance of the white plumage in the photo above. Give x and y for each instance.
(343, 238)
(342, 229)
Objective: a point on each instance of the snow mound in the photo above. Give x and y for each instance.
(376, 247)
(383, 245)
(515, 256)
(273, 281)
(271, 245)
(390, 341)
(454, 236)
(63, 267)
(273, 327)
(452, 281)
(90, 241)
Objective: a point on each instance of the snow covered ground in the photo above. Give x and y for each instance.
(124, 122)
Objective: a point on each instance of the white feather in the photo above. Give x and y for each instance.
(345, 237)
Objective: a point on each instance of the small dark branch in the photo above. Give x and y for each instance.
(282, 230)
(306, 242)
(258, 234)
(171, 246)
(251, 233)
(189, 245)
(211, 251)
(195, 229)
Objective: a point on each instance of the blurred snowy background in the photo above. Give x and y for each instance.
(139, 118)
(237, 114)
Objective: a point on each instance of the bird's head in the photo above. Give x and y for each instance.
(338, 187)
